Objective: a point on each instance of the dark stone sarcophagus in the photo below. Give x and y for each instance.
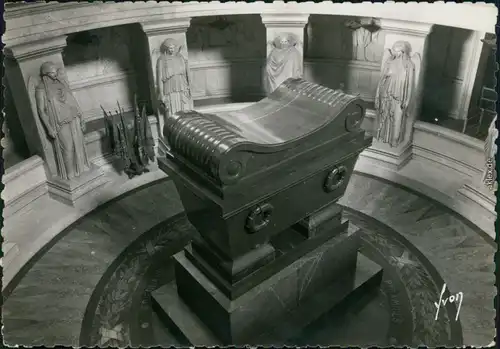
(258, 170)
(260, 185)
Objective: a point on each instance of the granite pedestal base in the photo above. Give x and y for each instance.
(71, 191)
(276, 308)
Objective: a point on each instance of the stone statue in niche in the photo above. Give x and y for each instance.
(172, 76)
(490, 150)
(284, 61)
(364, 38)
(61, 118)
(395, 90)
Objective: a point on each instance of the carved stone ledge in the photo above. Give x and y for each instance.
(484, 198)
(284, 20)
(174, 25)
(36, 49)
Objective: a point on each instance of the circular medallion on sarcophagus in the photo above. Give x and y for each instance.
(353, 119)
(335, 178)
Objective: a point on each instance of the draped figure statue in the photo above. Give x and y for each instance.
(490, 150)
(394, 92)
(174, 92)
(62, 120)
(284, 61)
(363, 38)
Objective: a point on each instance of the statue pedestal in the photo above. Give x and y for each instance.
(393, 158)
(328, 272)
(414, 35)
(72, 191)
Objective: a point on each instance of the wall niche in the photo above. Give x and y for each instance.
(450, 74)
(226, 58)
(344, 52)
(105, 66)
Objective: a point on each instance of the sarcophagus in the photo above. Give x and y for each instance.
(248, 174)
(260, 185)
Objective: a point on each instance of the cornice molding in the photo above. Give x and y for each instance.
(52, 21)
(175, 25)
(284, 20)
(406, 27)
(36, 49)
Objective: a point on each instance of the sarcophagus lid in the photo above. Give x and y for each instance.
(292, 133)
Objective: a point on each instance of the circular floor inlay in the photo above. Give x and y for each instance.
(401, 313)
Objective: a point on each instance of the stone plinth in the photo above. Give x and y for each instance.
(72, 191)
(278, 307)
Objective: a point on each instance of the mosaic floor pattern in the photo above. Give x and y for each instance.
(91, 287)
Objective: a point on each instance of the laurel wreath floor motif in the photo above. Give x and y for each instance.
(402, 312)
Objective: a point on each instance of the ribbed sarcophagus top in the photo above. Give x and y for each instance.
(299, 116)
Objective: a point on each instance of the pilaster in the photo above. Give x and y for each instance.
(23, 64)
(285, 23)
(157, 32)
(416, 35)
(471, 58)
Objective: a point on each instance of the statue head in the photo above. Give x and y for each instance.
(169, 46)
(353, 24)
(49, 69)
(401, 48)
(285, 40)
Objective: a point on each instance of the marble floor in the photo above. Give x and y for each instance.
(91, 285)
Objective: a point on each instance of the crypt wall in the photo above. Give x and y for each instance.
(451, 77)
(226, 58)
(445, 71)
(226, 55)
(13, 141)
(344, 52)
(106, 67)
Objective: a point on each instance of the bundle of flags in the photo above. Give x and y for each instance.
(131, 141)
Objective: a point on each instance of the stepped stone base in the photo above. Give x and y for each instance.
(274, 310)
(71, 192)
